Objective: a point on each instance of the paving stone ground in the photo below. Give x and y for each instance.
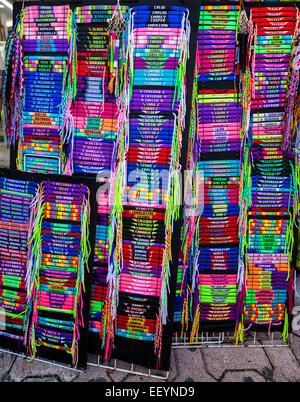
(218, 364)
(208, 364)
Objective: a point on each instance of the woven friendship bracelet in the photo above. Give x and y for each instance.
(57, 276)
(270, 204)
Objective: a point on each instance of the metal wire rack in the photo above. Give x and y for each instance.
(226, 339)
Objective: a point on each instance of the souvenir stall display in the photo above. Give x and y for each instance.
(154, 182)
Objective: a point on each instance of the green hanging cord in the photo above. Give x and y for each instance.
(74, 55)
(249, 196)
(292, 240)
(21, 23)
(190, 300)
(130, 85)
(73, 350)
(178, 80)
(239, 333)
(69, 25)
(110, 238)
(37, 237)
(32, 341)
(287, 241)
(77, 287)
(119, 196)
(104, 332)
(248, 235)
(85, 246)
(176, 196)
(13, 316)
(295, 194)
(237, 25)
(285, 332)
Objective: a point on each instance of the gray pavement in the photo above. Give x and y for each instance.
(207, 364)
(4, 156)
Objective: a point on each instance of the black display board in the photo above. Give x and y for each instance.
(134, 351)
(52, 354)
